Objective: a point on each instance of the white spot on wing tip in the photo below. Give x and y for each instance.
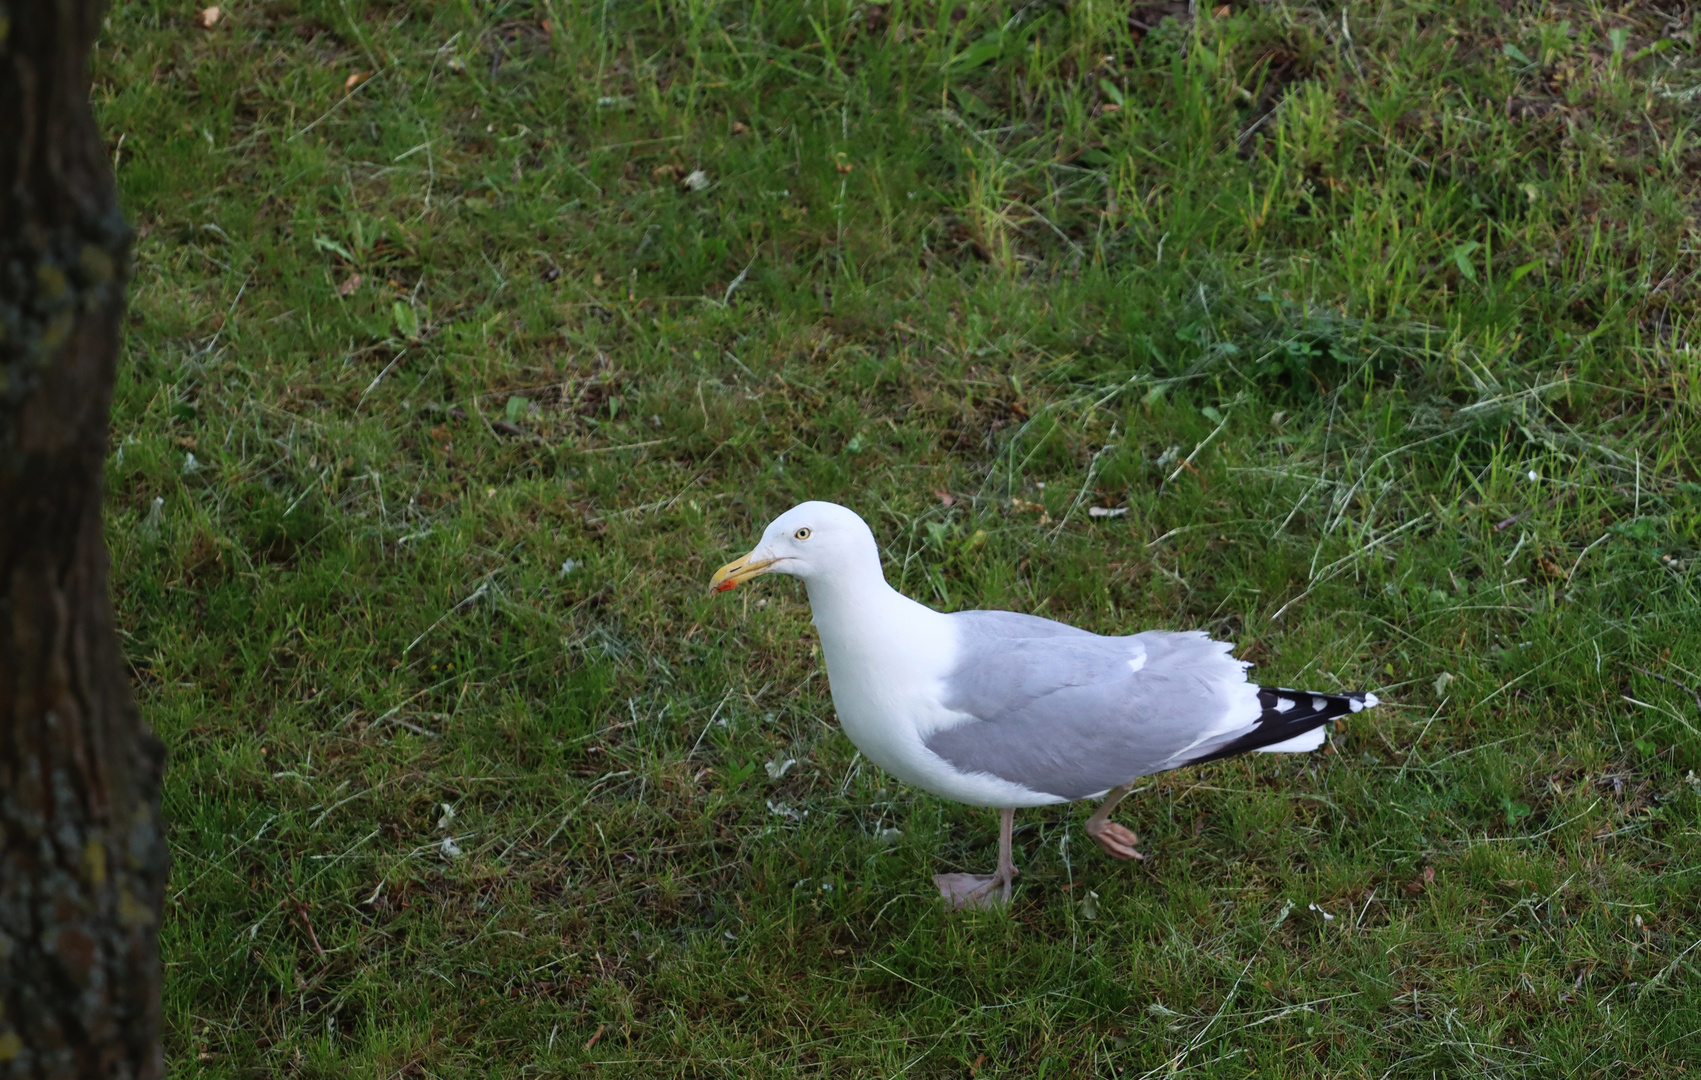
(1371, 699)
(1355, 703)
(1284, 704)
(1318, 704)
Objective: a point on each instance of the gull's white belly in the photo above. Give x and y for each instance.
(888, 724)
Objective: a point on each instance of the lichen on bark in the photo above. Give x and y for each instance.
(46, 284)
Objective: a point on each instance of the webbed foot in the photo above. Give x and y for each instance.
(979, 891)
(1117, 840)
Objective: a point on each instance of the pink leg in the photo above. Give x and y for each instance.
(1006, 872)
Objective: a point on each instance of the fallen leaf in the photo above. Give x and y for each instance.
(739, 127)
(946, 499)
(663, 173)
(209, 17)
(355, 80)
(348, 287)
(1414, 887)
(1221, 12)
(1090, 905)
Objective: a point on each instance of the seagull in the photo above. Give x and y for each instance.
(1006, 710)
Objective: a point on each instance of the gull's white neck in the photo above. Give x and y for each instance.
(884, 653)
(860, 611)
(858, 615)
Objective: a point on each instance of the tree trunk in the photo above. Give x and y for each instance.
(82, 857)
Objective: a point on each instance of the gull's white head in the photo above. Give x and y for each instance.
(813, 541)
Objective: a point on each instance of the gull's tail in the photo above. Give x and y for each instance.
(1292, 721)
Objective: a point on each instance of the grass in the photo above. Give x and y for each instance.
(446, 388)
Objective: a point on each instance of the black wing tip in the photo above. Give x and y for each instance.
(1288, 714)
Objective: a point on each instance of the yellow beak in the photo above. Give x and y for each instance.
(738, 571)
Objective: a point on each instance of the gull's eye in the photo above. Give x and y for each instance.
(802, 534)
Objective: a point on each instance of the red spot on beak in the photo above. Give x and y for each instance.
(725, 585)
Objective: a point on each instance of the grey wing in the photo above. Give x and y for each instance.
(1072, 714)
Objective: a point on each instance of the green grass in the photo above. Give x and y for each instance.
(1377, 321)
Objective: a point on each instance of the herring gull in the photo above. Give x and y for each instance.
(1005, 710)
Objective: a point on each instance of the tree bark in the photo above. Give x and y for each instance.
(82, 857)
